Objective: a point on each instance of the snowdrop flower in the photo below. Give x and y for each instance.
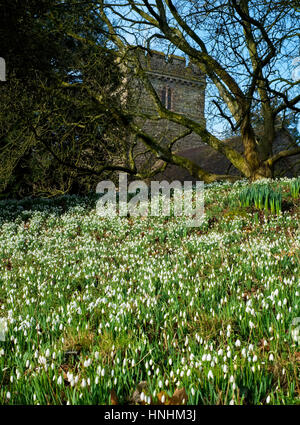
(87, 363)
(59, 380)
(237, 343)
(210, 375)
(83, 383)
(163, 399)
(47, 353)
(271, 357)
(268, 399)
(8, 396)
(97, 355)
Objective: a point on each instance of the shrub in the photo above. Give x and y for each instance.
(262, 197)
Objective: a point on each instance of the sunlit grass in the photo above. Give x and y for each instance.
(98, 304)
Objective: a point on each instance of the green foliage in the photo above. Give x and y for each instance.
(295, 188)
(262, 197)
(54, 131)
(97, 304)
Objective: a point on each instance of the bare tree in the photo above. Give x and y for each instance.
(244, 47)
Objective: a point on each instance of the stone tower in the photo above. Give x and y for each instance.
(181, 88)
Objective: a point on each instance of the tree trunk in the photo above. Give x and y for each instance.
(257, 168)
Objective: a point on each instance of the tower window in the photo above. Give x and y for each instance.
(167, 97)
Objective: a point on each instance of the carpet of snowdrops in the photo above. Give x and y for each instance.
(92, 307)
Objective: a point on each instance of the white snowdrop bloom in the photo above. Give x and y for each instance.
(237, 343)
(47, 353)
(170, 361)
(132, 362)
(204, 358)
(192, 391)
(97, 355)
(244, 354)
(148, 399)
(83, 383)
(231, 402)
(142, 396)
(97, 380)
(251, 324)
(163, 399)
(54, 355)
(231, 379)
(76, 379)
(34, 397)
(253, 369)
(233, 386)
(87, 363)
(1, 352)
(254, 358)
(268, 399)
(225, 368)
(60, 380)
(220, 352)
(103, 372)
(210, 375)
(160, 384)
(271, 357)
(208, 357)
(8, 395)
(11, 379)
(89, 381)
(27, 364)
(166, 382)
(188, 372)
